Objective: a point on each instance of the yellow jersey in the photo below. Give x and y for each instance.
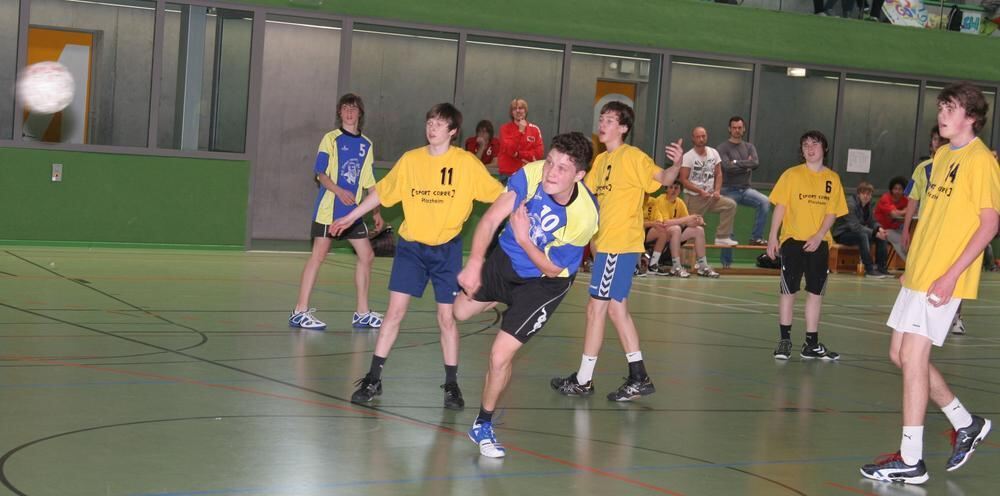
(620, 180)
(808, 197)
(661, 209)
(437, 192)
(963, 182)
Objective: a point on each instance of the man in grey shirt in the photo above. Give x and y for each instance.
(739, 159)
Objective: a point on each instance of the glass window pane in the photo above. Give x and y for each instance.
(299, 105)
(600, 76)
(707, 93)
(400, 74)
(930, 117)
(880, 114)
(108, 48)
(8, 66)
(204, 82)
(499, 70)
(789, 106)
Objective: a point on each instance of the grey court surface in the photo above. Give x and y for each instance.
(163, 372)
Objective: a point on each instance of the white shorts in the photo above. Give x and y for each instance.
(913, 313)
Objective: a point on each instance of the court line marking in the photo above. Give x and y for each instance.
(372, 410)
(800, 319)
(361, 410)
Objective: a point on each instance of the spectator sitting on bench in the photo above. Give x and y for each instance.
(701, 176)
(859, 228)
(890, 211)
(668, 221)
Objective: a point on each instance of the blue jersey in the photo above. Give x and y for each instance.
(561, 231)
(347, 158)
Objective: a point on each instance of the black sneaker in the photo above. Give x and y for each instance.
(368, 389)
(632, 389)
(784, 349)
(965, 440)
(758, 242)
(818, 351)
(569, 387)
(892, 468)
(453, 396)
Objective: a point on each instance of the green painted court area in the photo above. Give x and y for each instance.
(168, 372)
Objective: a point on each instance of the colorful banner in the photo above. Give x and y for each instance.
(906, 13)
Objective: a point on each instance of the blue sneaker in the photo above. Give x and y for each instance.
(370, 320)
(305, 320)
(965, 440)
(892, 468)
(482, 434)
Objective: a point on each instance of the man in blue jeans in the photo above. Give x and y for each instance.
(739, 159)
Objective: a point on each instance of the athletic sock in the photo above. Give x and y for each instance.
(786, 331)
(656, 258)
(375, 372)
(812, 338)
(957, 414)
(676, 261)
(586, 372)
(636, 368)
(911, 448)
(450, 373)
(702, 261)
(484, 416)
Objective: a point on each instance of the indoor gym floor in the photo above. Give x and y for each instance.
(168, 372)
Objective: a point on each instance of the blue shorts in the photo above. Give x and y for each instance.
(611, 275)
(416, 263)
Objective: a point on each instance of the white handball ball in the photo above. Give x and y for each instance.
(45, 87)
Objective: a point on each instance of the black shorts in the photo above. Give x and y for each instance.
(530, 302)
(358, 230)
(795, 262)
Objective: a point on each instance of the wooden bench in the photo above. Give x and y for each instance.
(688, 258)
(845, 258)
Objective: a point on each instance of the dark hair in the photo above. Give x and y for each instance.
(735, 118)
(485, 125)
(577, 146)
(971, 99)
(352, 99)
(900, 180)
(447, 112)
(818, 136)
(936, 130)
(626, 116)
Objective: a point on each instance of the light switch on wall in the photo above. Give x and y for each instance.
(56, 173)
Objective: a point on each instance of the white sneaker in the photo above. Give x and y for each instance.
(482, 434)
(370, 320)
(678, 271)
(306, 320)
(957, 326)
(726, 241)
(705, 271)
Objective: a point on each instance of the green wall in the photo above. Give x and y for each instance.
(113, 198)
(702, 26)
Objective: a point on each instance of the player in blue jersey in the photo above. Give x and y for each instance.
(343, 169)
(552, 217)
